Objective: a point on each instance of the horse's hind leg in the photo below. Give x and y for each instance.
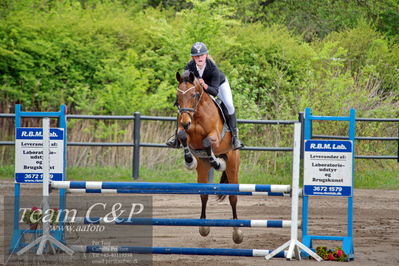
(204, 230)
(202, 177)
(218, 163)
(238, 236)
(233, 163)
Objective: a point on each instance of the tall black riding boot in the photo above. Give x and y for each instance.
(232, 122)
(173, 141)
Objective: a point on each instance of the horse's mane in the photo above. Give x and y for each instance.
(189, 77)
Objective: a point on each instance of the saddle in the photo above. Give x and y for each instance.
(223, 113)
(222, 108)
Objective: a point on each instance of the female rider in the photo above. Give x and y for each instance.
(214, 82)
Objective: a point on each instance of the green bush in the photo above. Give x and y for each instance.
(119, 57)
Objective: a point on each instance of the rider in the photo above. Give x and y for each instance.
(214, 82)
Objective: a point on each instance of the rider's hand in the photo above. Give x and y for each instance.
(203, 84)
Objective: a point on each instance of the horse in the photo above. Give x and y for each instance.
(200, 131)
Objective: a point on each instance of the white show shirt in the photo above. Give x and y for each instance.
(201, 71)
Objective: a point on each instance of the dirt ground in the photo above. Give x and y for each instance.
(376, 227)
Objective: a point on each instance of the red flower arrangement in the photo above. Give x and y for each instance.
(33, 217)
(332, 255)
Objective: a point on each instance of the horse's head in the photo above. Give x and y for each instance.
(189, 94)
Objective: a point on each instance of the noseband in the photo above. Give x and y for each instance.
(188, 110)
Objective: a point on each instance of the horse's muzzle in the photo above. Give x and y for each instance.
(185, 120)
(186, 125)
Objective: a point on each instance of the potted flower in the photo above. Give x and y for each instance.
(33, 217)
(333, 255)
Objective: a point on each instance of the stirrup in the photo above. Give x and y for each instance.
(173, 142)
(237, 144)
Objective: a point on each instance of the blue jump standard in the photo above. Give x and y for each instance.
(175, 250)
(150, 191)
(170, 186)
(185, 222)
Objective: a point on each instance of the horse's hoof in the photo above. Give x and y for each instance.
(204, 230)
(238, 236)
(222, 165)
(192, 165)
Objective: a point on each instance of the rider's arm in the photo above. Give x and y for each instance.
(213, 82)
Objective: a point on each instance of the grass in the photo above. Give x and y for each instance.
(166, 174)
(385, 176)
(7, 172)
(375, 178)
(377, 174)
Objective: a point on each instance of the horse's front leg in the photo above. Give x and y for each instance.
(190, 162)
(218, 163)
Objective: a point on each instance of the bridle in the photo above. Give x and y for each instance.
(189, 110)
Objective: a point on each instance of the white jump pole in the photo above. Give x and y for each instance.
(293, 244)
(46, 237)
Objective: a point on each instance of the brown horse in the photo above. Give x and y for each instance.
(200, 131)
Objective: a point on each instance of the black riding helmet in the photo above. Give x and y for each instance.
(198, 48)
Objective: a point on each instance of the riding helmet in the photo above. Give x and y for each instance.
(198, 48)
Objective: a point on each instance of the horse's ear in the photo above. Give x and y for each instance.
(192, 77)
(178, 77)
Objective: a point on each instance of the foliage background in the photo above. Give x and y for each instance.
(117, 57)
(120, 56)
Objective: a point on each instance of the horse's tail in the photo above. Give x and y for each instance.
(223, 180)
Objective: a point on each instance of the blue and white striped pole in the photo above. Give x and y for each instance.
(182, 222)
(179, 192)
(170, 186)
(175, 250)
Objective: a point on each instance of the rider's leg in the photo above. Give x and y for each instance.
(227, 98)
(232, 121)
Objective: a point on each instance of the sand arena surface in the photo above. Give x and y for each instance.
(376, 226)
